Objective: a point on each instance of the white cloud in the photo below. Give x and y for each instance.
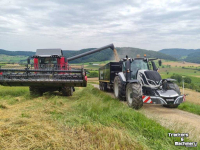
(151, 24)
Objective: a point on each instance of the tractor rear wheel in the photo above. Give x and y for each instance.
(67, 91)
(118, 88)
(134, 95)
(34, 91)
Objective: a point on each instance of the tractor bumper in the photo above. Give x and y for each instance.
(163, 100)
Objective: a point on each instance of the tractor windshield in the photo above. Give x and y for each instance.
(138, 64)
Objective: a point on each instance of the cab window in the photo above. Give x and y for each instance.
(138, 65)
(48, 60)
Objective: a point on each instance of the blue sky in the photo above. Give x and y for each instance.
(76, 24)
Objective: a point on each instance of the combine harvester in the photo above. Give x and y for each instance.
(133, 81)
(50, 72)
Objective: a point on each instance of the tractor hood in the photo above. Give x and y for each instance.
(149, 78)
(153, 75)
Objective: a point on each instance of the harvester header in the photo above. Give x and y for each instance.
(49, 72)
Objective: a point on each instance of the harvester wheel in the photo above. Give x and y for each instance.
(134, 95)
(34, 91)
(118, 88)
(67, 91)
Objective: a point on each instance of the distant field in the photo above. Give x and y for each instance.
(91, 65)
(179, 70)
(12, 59)
(181, 64)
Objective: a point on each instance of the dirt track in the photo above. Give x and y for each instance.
(174, 119)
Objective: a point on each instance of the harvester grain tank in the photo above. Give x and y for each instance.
(49, 72)
(133, 80)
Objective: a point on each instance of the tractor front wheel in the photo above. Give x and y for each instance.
(134, 95)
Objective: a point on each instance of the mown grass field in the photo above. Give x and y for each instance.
(90, 119)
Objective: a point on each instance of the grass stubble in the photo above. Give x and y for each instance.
(90, 119)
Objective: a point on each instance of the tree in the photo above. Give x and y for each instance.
(187, 80)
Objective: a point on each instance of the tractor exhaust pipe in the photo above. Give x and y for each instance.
(111, 46)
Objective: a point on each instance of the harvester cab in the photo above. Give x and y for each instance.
(138, 81)
(49, 59)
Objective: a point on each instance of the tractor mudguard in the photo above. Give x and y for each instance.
(169, 80)
(122, 77)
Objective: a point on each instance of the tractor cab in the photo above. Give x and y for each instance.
(142, 69)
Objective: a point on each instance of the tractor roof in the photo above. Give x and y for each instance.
(49, 52)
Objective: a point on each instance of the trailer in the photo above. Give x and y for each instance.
(107, 75)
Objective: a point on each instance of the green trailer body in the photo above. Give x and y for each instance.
(107, 74)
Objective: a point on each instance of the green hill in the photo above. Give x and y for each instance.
(96, 57)
(122, 51)
(189, 55)
(15, 53)
(193, 57)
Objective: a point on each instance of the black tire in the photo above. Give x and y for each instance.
(118, 89)
(34, 91)
(100, 86)
(135, 101)
(104, 86)
(67, 91)
(173, 86)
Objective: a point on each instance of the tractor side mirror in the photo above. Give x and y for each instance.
(28, 60)
(154, 66)
(160, 62)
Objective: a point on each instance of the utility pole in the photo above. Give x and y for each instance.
(183, 83)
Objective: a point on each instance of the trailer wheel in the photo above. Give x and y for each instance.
(100, 85)
(34, 91)
(118, 88)
(134, 95)
(67, 91)
(104, 85)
